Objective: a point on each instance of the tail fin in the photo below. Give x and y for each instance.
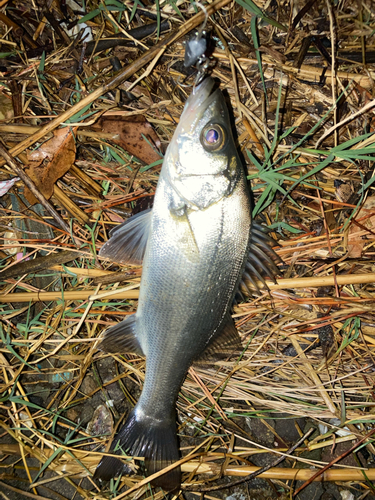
(144, 436)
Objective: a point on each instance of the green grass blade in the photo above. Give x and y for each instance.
(254, 34)
(254, 9)
(253, 160)
(284, 225)
(147, 167)
(89, 16)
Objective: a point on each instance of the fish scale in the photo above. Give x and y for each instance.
(195, 244)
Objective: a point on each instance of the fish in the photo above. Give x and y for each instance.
(199, 247)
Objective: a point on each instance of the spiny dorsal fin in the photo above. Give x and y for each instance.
(127, 243)
(122, 338)
(224, 342)
(261, 262)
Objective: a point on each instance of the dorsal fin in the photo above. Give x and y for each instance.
(127, 243)
(261, 262)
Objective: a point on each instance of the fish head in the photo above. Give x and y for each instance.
(202, 163)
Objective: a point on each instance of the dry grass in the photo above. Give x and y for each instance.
(305, 125)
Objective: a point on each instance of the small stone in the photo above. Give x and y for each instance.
(101, 422)
(88, 385)
(72, 414)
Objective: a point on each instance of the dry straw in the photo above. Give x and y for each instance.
(303, 113)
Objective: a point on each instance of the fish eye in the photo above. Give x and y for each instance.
(213, 137)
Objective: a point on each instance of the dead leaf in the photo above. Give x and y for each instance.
(50, 162)
(358, 238)
(6, 107)
(364, 97)
(131, 130)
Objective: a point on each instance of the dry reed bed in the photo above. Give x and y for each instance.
(323, 227)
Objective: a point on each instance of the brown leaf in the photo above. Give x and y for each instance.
(365, 220)
(50, 162)
(6, 107)
(130, 130)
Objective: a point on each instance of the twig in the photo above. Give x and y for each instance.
(253, 474)
(348, 119)
(343, 455)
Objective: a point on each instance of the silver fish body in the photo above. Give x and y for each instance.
(196, 243)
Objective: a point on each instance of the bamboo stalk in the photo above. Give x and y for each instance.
(280, 473)
(343, 279)
(346, 279)
(91, 459)
(68, 295)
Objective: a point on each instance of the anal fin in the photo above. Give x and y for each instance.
(122, 338)
(224, 342)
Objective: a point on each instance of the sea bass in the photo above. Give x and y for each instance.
(197, 244)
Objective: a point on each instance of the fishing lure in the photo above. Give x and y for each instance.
(195, 50)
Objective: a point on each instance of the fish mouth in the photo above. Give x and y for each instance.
(197, 103)
(200, 93)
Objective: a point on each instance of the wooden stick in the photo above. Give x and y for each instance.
(39, 264)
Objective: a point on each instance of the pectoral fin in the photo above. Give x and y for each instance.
(127, 243)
